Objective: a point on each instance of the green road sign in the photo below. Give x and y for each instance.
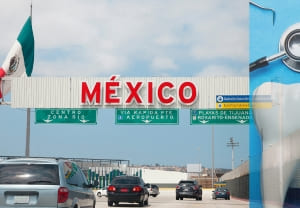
(240, 116)
(66, 116)
(146, 116)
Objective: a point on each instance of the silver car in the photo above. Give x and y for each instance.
(153, 189)
(102, 192)
(40, 182)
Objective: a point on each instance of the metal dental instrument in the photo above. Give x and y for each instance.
(265, 8)
(289, 51)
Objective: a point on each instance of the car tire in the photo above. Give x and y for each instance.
(146, 202)
(229, 198)
(154, 195)
(99, 194)
(177, 197)
(141, 203)
(110, 203)
(181, 198)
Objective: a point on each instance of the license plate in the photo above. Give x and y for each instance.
(21, 199)
(186, 189)
(124, 190)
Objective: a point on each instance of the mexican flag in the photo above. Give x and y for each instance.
(19, 61)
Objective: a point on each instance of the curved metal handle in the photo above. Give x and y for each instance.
(258, 63)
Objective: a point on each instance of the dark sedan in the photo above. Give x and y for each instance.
(221, 193)
(130, 189)
(188, 189)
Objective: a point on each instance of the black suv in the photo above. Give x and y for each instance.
(188, 189)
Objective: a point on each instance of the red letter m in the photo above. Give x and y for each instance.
(85, 93)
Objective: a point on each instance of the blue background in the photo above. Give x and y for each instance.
(264, 41)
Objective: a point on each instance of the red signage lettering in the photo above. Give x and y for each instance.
(138, 92)
(85, 93)
(134, 92)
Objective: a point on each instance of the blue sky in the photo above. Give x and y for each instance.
(131, 38)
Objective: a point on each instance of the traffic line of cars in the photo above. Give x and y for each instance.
(45, 182)
(132, 189)
(191, 189)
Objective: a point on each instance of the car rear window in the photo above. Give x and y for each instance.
(186, 182)
(126, 181)
(222, 189)
(35, 174)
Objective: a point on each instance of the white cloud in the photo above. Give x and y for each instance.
(163, 63)
(166, 40)
(218, 70)
(227, 44)
(114, 35)
(108, 62)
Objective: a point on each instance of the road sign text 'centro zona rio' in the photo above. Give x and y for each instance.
(80, 116)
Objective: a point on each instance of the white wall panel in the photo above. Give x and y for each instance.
(40, 92)
(57, 92)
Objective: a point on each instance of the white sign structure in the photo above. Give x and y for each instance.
(194, 168)
(127, 92)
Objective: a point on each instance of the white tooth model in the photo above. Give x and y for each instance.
(279, 127)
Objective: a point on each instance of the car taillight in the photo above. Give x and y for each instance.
(111, 188)
(195, 188)
(217, 192)
(62, 195)
(177, 187)
(137, 189)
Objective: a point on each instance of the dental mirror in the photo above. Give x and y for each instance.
(289, 51)
(290, 43)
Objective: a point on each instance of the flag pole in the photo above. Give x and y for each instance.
(31, 9)
(27, 150)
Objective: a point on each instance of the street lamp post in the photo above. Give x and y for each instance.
(212, 157)
(232, 144)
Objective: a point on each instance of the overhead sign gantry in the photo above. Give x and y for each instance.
(137, 100)
(127, 92)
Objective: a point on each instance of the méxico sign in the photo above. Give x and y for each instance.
(227, 116)
(123, 92)
(73, 116)
(165, 93)
(146, 116)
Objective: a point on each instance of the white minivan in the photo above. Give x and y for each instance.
(43, 182)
